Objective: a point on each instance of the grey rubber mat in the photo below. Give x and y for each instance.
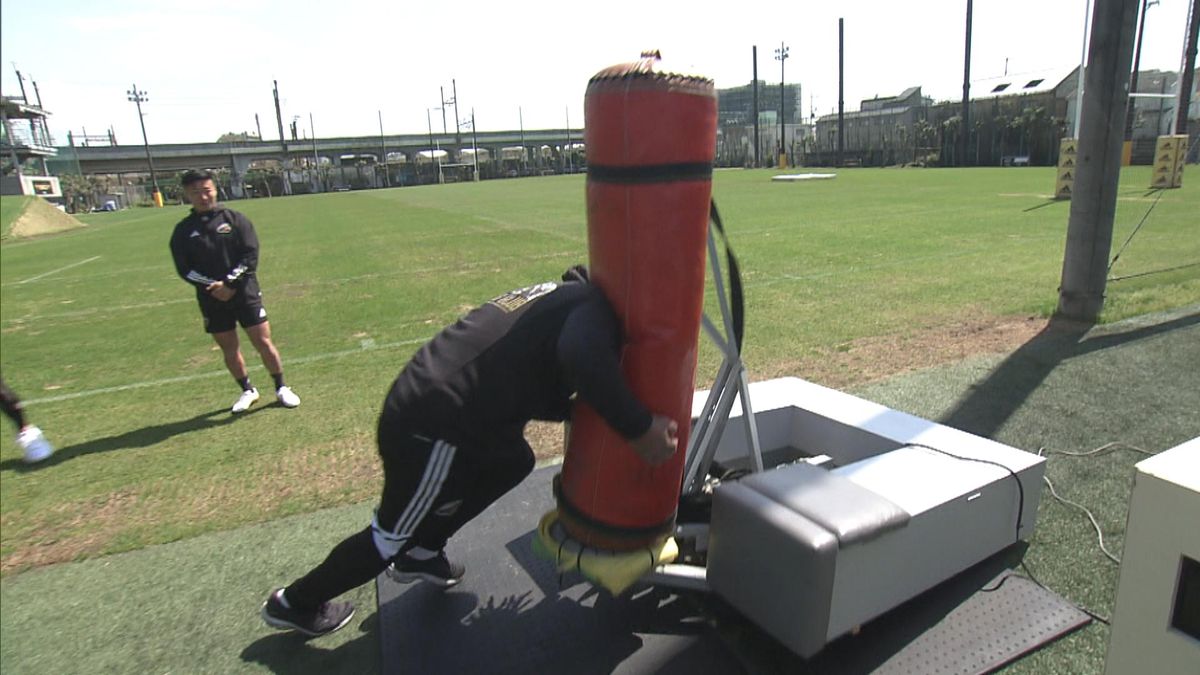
(513, 613)
(990, 629)
(973, 623)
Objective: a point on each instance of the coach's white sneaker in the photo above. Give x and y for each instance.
(35, 445)
(287, 397)
(244, 401)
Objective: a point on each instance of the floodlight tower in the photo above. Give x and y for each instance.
(138, 97)
(781, 55)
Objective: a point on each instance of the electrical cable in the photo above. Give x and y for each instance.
(1146, 274)
(1095, 525)
(1029, 574)
(1020, 485)
(1116, 445)
(1158, 195)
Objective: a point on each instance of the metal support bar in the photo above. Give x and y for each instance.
(731, 381)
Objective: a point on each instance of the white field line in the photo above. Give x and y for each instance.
(300, 284)
(97, 310)
(124, 271)
(549, 233)
(61, 269)
(367, 346)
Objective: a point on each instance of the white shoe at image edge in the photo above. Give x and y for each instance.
(35, 445)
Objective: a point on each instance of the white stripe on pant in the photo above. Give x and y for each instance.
(389, 542)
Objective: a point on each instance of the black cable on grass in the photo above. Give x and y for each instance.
(1146, 274)
(1135, 230)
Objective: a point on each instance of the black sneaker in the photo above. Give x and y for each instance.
(323, 620)
(436, 570)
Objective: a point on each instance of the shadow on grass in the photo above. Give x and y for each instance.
(1048, 202)
(992, 402)
(291, 653)
(137, 438)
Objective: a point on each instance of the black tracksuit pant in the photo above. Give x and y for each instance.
(431, 488)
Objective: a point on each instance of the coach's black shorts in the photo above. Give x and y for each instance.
(245, 308)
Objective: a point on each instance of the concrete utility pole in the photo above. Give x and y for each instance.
(1186, 68)
(757, 150)
(474, 144)
(139, 97)
(287, 181)
(312, 131)
(964, 137)
(841, 140)
(387, 180)
(457, 125)
(442, 96)
(1101, 135)
(781, 55)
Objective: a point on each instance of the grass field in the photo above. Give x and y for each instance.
(105, 344)
(844, 278)
(10, 209)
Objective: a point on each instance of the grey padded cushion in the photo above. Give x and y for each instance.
(848, 510)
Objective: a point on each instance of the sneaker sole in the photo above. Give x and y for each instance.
(409, 577)
(283, 624)
(35, 457)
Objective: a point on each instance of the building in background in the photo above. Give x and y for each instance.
(735, 125)
(25, 140)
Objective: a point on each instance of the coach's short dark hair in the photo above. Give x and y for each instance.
(193, 176)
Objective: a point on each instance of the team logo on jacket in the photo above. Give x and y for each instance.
(514, 300)
(224, 228)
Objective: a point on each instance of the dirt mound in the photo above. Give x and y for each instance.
(41, 217)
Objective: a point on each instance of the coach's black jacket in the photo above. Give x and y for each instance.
(217, 245)
(519, 357)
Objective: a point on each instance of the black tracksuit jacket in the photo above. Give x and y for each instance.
(217, 245)
(520, 356)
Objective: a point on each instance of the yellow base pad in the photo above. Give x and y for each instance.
(614, 571)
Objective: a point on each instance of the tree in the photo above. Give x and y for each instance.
(79, 191)
(238, 137)
(950, 131)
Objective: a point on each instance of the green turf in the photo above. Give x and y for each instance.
(105, 344)
(1131, 384)
(188, 607)
(191, 606)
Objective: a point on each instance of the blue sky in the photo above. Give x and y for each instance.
(208, 67)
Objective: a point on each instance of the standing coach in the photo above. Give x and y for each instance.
(216, 251)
